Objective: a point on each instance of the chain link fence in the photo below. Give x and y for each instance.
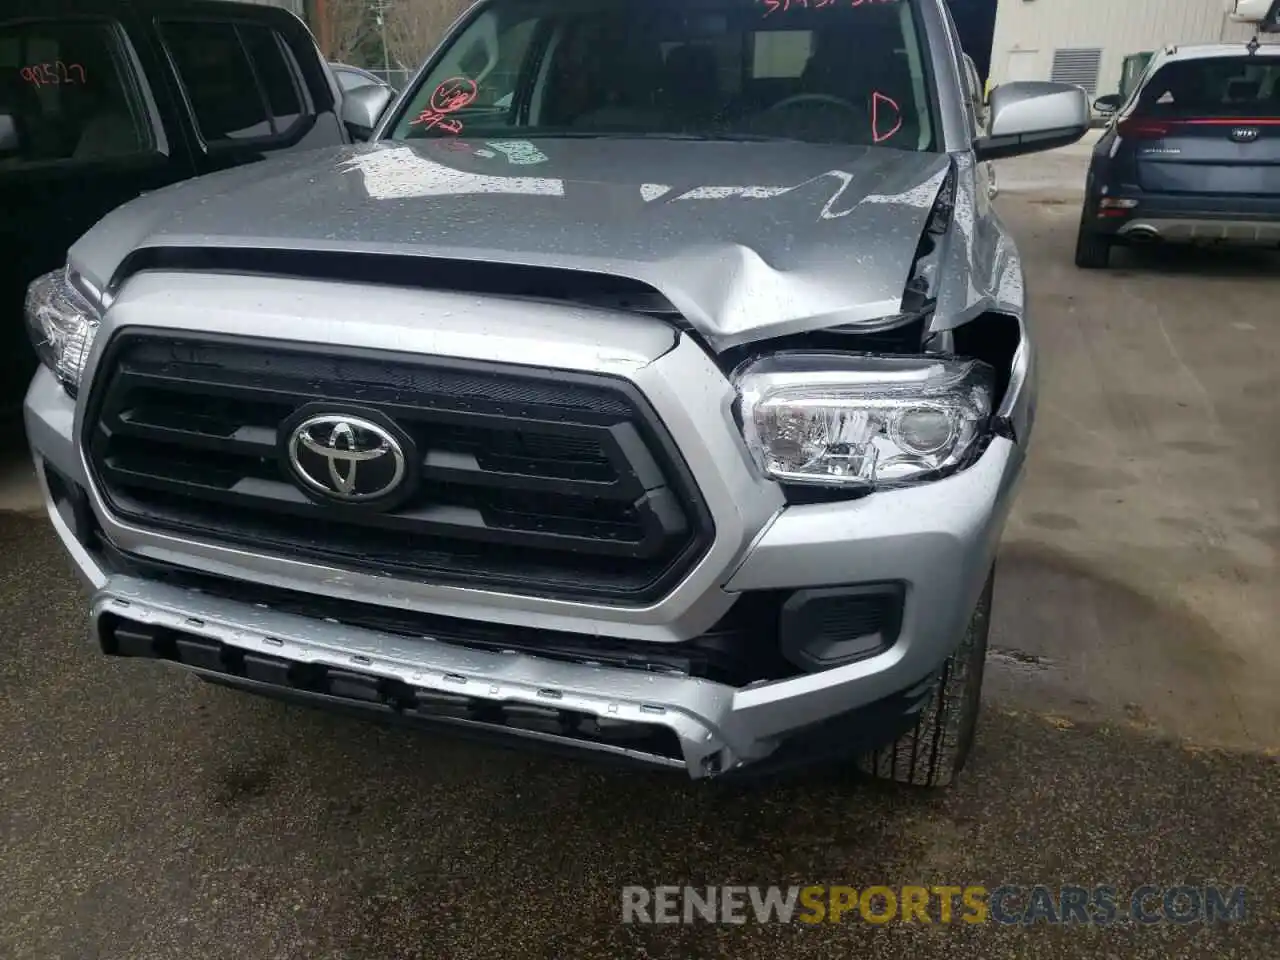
(397, 78)
(298, 7)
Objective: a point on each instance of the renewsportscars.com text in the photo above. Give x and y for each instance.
(1008, 904)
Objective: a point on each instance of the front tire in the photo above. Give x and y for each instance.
(934, 751)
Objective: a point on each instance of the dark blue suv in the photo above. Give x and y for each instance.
(1193, 156)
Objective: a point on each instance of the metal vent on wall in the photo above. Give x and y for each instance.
(1078, 66)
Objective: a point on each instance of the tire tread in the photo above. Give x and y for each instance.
(943, 731)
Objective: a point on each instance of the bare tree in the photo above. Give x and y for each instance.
(347, 24)
(414, 27)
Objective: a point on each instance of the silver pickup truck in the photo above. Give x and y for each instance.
(654, 381)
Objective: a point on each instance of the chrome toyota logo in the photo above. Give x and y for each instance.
(346, 458)
(1244, 134)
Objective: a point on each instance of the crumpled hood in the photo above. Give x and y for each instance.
(745, 239)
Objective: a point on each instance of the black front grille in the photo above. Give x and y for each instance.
(536, 482)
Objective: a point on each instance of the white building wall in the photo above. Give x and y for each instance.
(1028, 31)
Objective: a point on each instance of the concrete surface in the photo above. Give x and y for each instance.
(1129, 735)
(1059, 172)
(1139, 567)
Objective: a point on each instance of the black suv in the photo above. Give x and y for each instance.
(1193, 156)
(102, 100)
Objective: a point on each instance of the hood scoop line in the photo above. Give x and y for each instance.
(556, 284)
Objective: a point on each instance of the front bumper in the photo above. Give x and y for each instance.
(937, 540)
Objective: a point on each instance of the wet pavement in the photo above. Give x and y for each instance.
(1130, 733)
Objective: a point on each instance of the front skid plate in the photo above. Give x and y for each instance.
(693, 709)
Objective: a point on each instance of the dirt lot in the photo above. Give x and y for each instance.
(146, 815)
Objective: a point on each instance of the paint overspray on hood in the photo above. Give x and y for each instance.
(745, 240)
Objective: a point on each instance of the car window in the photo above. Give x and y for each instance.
(1214, 87)
(492, 52)
(275, 73)
(238, 78)
(501, 78)
(68, 92)
(777, 54)
(822, 72)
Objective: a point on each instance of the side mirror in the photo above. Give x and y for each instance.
(10, 139)
(1265, 14)
(362, 107)
(1108, 104)
(1028, 116)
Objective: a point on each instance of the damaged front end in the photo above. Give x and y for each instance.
(774, 502)
(891, 402)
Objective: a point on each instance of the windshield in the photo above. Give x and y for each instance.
(827, 71)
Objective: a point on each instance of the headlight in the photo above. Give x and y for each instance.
(62, 324)
(844, 420)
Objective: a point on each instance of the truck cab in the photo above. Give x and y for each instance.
(103, 100)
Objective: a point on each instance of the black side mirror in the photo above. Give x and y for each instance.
(1109, 103)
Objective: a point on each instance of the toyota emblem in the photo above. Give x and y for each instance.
(1244, 134)
(346, 458)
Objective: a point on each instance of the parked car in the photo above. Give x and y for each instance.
(101, 100)
(1193, 156)
(349, 78)
(672, 412)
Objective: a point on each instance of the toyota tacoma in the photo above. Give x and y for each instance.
(654, 381)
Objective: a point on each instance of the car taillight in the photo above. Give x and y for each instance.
(1138, 129)
(1116, 207)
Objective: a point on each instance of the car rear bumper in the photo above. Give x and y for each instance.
(1262, 233)
(1209, 219)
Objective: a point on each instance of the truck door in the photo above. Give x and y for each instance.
(80, 133)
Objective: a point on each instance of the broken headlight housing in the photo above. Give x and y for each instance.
(62, 324)
(861, 421)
